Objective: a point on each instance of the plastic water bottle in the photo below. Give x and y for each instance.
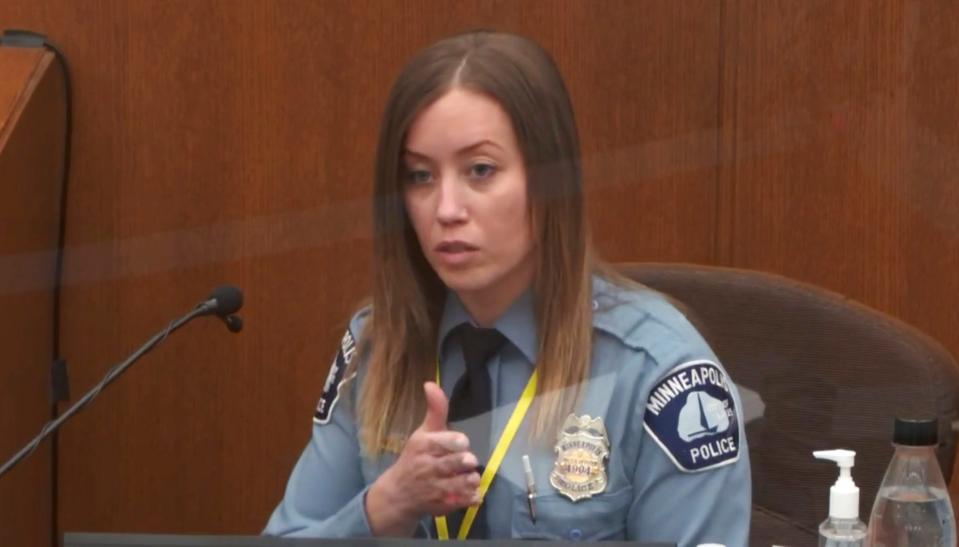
(912, 507)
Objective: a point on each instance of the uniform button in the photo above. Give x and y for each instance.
(575, 534)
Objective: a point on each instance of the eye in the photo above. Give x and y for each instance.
(418, 176)
(481, 171)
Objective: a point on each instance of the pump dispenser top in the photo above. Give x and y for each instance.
(844, 495)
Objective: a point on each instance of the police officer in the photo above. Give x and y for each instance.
(504, 383)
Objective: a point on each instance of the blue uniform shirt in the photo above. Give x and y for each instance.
(666, 460)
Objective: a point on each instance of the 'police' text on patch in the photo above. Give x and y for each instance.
(335, 379)
(692, 415)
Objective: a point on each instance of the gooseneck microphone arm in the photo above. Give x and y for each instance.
(223, 302)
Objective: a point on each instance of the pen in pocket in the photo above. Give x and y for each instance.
(530, 488)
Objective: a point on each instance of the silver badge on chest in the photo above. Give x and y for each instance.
(582, 449)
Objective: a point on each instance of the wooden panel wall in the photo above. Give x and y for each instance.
(643, 80)
(31, 151)
(232, 141)
(840, 150)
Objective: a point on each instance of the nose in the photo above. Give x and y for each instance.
(451, 203)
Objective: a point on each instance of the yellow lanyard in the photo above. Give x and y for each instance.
(496, 458)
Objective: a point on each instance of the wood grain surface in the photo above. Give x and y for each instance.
(31, 151)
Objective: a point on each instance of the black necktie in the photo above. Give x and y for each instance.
(471, 405)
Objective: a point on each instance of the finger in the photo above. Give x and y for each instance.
(454, 501)
(460, 491)
(436, 407)
(468, 488)
(440, 443)
(456, 463)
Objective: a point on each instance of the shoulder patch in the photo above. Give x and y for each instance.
(691, 414)
(335, 379)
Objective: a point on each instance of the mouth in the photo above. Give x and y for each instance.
(455, 254)
(455, 247)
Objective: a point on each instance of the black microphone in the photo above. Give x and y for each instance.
(223, 302)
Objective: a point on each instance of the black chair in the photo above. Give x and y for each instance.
(817, 371)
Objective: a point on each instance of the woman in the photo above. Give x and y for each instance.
(484, 295)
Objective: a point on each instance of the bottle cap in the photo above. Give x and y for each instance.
(916, 432)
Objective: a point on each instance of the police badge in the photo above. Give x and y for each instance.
(582, 449)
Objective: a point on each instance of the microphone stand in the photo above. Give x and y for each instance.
(203, 308)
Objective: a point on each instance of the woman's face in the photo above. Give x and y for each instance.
(465, 194)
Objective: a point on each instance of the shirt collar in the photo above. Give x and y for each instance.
(517, 323)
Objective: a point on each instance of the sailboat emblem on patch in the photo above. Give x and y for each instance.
(582, 449)
(701, 416)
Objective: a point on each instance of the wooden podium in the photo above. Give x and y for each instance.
(32, 122)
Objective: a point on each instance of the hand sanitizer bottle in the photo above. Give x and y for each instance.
(843, 527)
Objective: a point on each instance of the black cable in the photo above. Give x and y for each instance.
(65, 177)
(60, 389)
(59, 386)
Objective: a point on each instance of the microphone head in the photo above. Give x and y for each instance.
(229, 299)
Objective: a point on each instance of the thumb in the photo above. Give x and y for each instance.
(436, 407)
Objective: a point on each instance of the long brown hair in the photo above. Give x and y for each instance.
(399, 343)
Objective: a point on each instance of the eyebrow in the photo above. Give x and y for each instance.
(460, 152)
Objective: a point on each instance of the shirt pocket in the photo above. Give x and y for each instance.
(602, 517)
